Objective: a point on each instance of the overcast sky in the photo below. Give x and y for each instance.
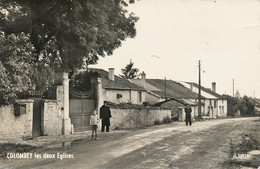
(223, 34)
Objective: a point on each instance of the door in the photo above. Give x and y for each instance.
(36, 117)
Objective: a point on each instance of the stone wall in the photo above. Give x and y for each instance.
(51, 118)
(13, 126)
(136, 118)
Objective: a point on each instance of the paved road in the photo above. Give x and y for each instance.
(203, 145)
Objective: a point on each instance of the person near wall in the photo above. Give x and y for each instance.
(188, 114)
(94, 124)
(105, 115)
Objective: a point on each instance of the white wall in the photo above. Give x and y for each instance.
(15, 126)
(111, 95)
(222, 108)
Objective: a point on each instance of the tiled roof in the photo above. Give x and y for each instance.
(119, 83)
(206, 90)
(148, 87)
(173, 89)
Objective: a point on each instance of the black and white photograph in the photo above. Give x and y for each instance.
(130, 84)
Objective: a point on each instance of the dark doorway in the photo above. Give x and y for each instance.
(36, 96)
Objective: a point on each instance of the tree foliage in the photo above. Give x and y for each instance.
(129, 72)
(15, 72)
(81, 30)
(40, 37)
(245, 105)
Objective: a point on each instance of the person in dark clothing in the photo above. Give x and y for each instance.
(105, 115)
(188, 114)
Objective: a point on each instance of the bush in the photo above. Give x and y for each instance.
(167, 120)
(157, 122)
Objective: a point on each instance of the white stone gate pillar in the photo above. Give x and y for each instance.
(66, 125)
(98, 92)
(99, 95)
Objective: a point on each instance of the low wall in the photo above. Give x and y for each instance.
(14, 126)
(51, 118)
(136, 118)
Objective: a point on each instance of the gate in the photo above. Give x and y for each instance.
(82, 104)
(36, 96)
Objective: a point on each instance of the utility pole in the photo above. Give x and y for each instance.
(233, 88)
(199, 103)
(165, 88)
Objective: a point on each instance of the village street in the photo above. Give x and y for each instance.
(206, 144)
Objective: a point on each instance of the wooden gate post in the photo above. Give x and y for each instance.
(66, 125)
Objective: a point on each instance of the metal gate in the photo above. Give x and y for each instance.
(82, 104)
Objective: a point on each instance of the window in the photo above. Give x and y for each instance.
(140, 96)
(19, 108)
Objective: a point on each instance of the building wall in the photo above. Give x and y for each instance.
(127, 95)
(214, 108)
(14, 126)
(222, 108)
(136, 118)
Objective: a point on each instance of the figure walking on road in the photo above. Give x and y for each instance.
(188, 111)
(105, 115)
(94, 124)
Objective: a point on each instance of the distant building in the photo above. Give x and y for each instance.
(214, 105)
(237, 95)
(168, 94)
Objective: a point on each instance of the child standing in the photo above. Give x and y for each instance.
(94, 124)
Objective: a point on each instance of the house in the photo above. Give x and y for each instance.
(119, 90)
(214, 105)
(168, 94)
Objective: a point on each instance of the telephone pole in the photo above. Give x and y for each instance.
(165, 88)
(199, 101)
(233, 88)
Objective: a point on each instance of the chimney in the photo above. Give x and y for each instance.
(214, 87)
(191, 86)
(111, 75)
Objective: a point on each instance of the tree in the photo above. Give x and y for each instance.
(15, 72)
(245, 105)
(249, 103)
(81, 30)
(61, 34)
(129, 72)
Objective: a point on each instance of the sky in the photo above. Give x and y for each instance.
(173, 35)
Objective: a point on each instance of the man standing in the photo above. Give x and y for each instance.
(105, 115)
(188, 114)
